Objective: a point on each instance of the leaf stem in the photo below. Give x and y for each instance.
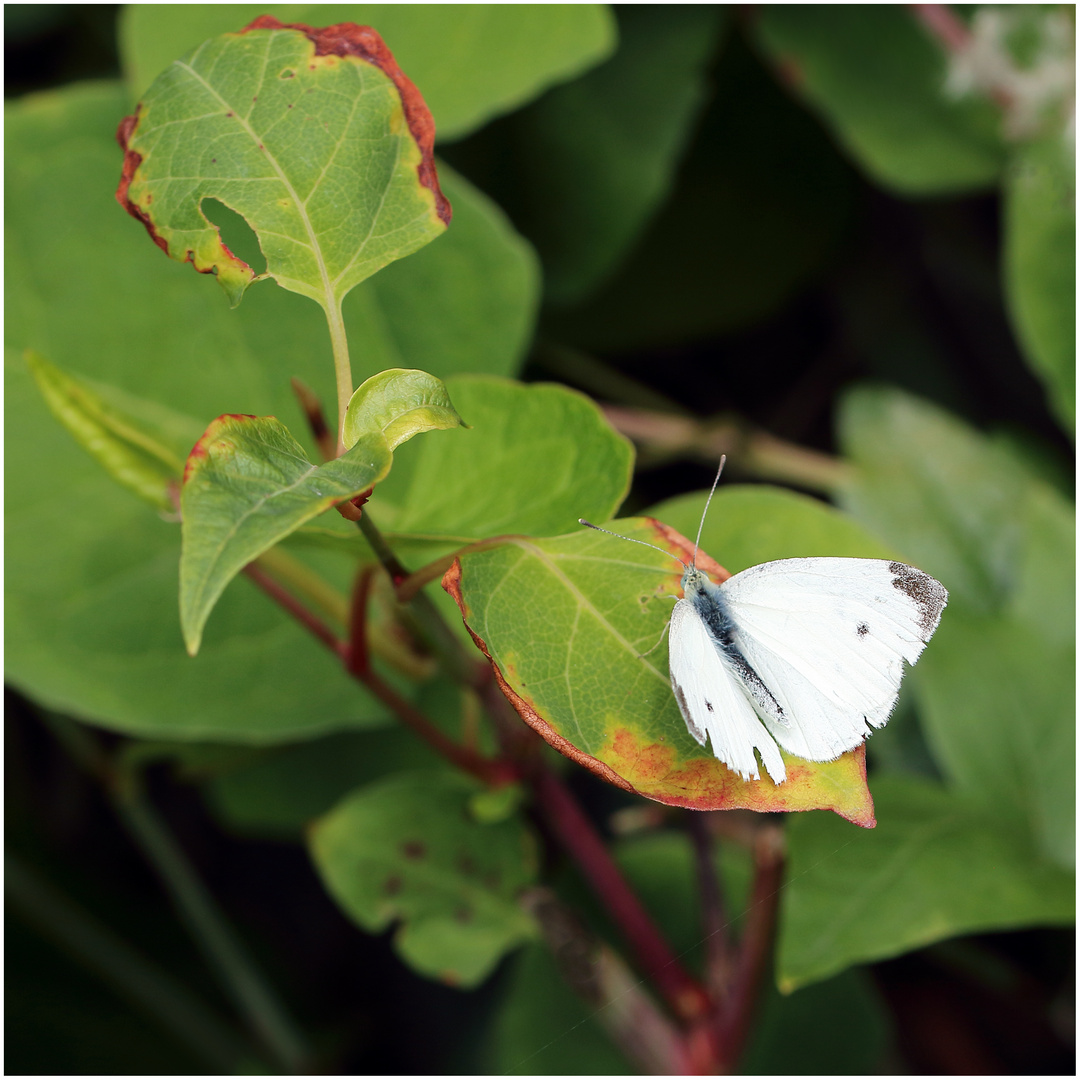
(339, 343)
(579, 837)
(144, 985)
(295, 608)
(717, 946)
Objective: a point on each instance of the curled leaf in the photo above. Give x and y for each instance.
(398, 404)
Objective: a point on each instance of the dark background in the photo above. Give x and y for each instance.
(894, 290)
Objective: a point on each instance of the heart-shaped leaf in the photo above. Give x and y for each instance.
(569, 625)
(315, 137)
(407, 848)
(398, 403)
(248, 484)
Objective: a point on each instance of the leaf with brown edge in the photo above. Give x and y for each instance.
(570, 625)
(314, 136)
(247, 485)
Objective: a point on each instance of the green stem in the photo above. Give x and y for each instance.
(212, 933)
(342, 367)
(141, 983)
(193, 902)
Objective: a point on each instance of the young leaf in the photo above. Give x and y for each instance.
(568, 625)
(406, 848)
(129, 452)
(398, 404)
(248, 484)
(315, 137)
(935, 867)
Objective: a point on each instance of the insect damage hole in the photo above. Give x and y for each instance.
(236, 234)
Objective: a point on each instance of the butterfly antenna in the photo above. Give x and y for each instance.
(701, 524)
(590, 525)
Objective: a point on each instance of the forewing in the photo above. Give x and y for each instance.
(829, 637)
(713, 702)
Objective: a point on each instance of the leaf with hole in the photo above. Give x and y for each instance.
(315, 137)
(406, 849)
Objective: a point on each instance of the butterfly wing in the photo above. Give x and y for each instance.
(713, 702)
(829, 638)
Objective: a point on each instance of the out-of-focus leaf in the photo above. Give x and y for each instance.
(935, 867)
(471, 62)
(91, 623)
(593, 158)
(836, 1027)
(1040, 265)
(398, 404)
(121, 443)
(405, 848)
(877, 79)
(315, 138)
(996, 686)
(568, 625)
(247, 485)
(757, 208)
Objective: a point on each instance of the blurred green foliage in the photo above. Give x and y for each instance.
(827, 222)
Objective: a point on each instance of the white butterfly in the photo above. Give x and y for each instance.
(804, 653)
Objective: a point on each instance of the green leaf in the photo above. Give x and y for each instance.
(569, 625)
(997, 687)
(129, 452)
(90, 616)
(398, 404)
(838, 1027)
(247, 485)
(405, 848)
(91, 624)
(761, 203)
(470, 62)
(1040, 265)
(596, 156)
(934, 867)
(316, 139)
(877, 79)
(536, 459)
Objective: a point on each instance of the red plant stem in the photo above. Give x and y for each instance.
(944, 24)
(577, 834)
(358, 665)
(717, 950)
(733, 1024)
(295, 608)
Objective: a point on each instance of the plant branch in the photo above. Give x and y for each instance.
(733, 1024)
(295, 608)
(358, 665)
(665, 435)
(599, 976)
(579, 837)
(140, 982)
(717, 946)
(316, 418)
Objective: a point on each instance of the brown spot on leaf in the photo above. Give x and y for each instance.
(132, 160)
(392, 885)
(463, 914)
(467, 865)
(364, 43)
(413, 849)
